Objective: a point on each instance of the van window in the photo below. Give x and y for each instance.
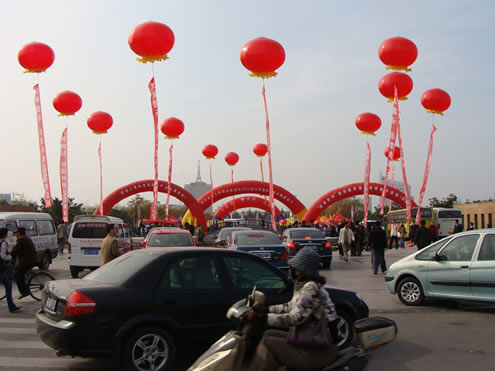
(45, 227)
(30, 226)
(11, 225)
(121, 231)
(89, 230)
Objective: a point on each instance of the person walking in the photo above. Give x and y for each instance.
(402, 235)
(457, 227)
(310, 302)
(24, 255)
(471, 227)
(394, 235)
(109, 246)
(346, 238)
(433, 232)
(62, 236)
(423, 236)
(6, 270)
(378, 244)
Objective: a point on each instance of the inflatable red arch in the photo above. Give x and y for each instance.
(244, 202)
(251, 186)
(351, 190)
(147, 186)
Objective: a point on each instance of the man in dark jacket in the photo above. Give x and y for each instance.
(422, 237)
(378, 244)
(24, 255)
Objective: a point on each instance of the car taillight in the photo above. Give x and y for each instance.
(285, 255)
(69, 248)
(78, 304)
(291, 245)
(328, 245)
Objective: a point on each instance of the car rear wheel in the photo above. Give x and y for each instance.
(327, 263)
(149, 348)
(345, 331)
(74, 271)
(410, 291)
(45, 262)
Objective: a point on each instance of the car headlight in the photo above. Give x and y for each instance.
(359, 297)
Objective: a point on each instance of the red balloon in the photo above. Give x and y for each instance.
(260, 149)
(67, 103)
(100, 122)
(151, 41)
(210, 151)
(435, 101)
(398, 53)
(396, 153)
(262, 57)
(401, 80)
(368, 123)
(172, 128)
(231, 158)
(36, 57)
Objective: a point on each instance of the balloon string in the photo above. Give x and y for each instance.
(262, 176)
(232, 177)
(101, 178)
(169, 185)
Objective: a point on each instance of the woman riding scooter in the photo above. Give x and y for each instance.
(309, 300)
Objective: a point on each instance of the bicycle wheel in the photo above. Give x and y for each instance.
(37, 283)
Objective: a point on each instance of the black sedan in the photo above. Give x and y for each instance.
(298, 238)
(147, 305)
(224, 232)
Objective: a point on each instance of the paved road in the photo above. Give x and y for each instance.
(432, 337)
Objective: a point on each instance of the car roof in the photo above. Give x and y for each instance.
(98, 218)
(185, 249)
(235, 228)
(169, 230)
(255, 231)
(24, 215)
(303, 229)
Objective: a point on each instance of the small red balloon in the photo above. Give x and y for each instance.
(396, 155)
(231, 158)
(400, 80)
(210, 151)
(151, 41)
(67, 103)
(262, 57)
(260, 149)
(100, 122)
(368, 123)
(398, 53)
(172, 128)
(435, 101)
(36, 57)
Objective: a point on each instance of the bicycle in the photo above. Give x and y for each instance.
(35, 282)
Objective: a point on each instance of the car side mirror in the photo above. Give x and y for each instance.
(439, 258)
(142, 244)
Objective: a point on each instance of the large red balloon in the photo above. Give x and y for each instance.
(67, 103)
(231, 158)
(172, 128)
(368, 123)
(396, 155)
(151, 41)
(435, 101)
(262, 57)
(260, 149)
(398, 53)
(100, 122)
(210, 151)
(36, 57)
(400, 80)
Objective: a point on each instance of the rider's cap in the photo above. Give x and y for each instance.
(307, 262)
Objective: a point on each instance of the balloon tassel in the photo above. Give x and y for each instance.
(154, 109)
(169, 181)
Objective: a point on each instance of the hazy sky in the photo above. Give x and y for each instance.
(330, 76)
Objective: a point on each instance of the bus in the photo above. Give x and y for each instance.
(445, 219)
(399, 216)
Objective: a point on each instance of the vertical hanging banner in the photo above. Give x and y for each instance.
(154, 108)
(47, 197)
(367, 169)
(64, 176)
(101, 179)
(427, 173)
(404, 177)
(169, 181)
(392, 184)
(270, 171)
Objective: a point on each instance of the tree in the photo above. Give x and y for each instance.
(56, 210)
(344, 207)
(448, 201)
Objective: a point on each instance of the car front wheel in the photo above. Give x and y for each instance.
(345, 331)
(410, 291)
(149, 348)
(45, 262)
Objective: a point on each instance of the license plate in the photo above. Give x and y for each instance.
(50, 304)
(312, 247)
(91, 251)
(264, 255)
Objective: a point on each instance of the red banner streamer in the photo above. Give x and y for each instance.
(212, 196)
(268, 143)
(64, 176)
(169, 180)
(262, 176)
(427, 173)
(154, 108)
(101, 179)
(232, 178)
(392, 184)
(41, 140)
(367, 169)
(404, 178)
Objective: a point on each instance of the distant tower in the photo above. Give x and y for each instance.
(198, 177)
(198, 188)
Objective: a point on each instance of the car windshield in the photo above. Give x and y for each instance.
(450, 214)
(256, 239)
(170, 239)
(122, 268)
(90, 230)
(225, 232)
(306, 234)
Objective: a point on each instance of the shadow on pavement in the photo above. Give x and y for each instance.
(393, 356)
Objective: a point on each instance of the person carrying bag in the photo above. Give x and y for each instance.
(6, 270)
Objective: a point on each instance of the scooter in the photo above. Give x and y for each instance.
(229, 352)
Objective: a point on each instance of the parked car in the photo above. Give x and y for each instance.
(39, 227)
(458, 267)
(298, 238)
(224, 232)
(264, 244)
(168, 236)
(162, 301)
(85, 238)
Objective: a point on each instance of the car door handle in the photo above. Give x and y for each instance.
(464, 266)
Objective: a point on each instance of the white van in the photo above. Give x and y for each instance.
(86, 235)
(39, 227)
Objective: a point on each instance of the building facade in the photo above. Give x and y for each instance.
(198, 188)
(479, 213)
